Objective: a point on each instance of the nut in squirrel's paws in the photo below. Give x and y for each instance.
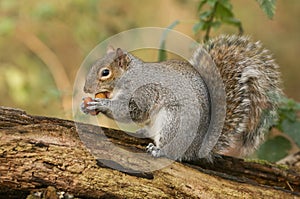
(84, 106)
(101, 95)
(86, 100)
(153, 150)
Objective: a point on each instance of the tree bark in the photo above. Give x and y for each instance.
(37, 152)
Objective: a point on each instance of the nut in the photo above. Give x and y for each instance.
(85, 102)
(100, 95)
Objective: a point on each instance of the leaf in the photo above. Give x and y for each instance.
(292, 104)
(198, 26)
(205, 15)
(292, 129)
(232, 21)
(223, 12)
(212, 3)
(274, 149)
(226, 4)
(268, 6)
(288, 114)
(216, 24)
(218, 12)
(162, 53)
(288, 110)
(201, 4)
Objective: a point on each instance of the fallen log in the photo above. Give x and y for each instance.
(37, 152)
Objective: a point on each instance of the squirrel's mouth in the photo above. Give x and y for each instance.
(105, 94)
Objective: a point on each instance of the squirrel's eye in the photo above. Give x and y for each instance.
(105, 73)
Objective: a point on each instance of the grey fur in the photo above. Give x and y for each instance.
(176, 101)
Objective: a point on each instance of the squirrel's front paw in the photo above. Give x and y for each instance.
(98, 104)
(83, 108)
(83, 105)
(153, 150)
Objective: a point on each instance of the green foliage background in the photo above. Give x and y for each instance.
(43, 42)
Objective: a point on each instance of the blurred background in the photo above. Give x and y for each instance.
(43, 42)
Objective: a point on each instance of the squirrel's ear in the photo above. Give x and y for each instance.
(122, 58)
(110, 49)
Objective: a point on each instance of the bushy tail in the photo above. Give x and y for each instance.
(252, 85)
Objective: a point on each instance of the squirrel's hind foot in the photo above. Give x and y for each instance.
(153, 150)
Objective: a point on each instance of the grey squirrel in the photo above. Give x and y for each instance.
(171, 100)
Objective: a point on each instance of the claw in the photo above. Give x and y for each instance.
(99, 102)
(91, 108)
(92, 103)
(98, 99)
(153, 150)
(150, 147)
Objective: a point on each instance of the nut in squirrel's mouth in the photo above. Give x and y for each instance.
(105, 94)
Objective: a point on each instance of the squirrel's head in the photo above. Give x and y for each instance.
(104, 73)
